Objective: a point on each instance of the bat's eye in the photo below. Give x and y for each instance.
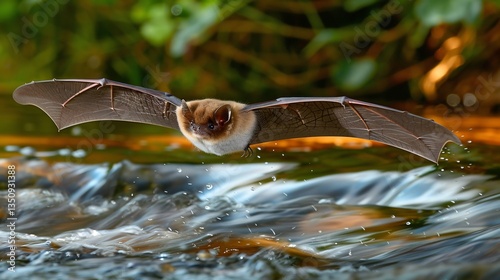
(211, 126)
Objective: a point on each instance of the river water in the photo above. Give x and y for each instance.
(370, 213)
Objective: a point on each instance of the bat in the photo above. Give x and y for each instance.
(221, 127)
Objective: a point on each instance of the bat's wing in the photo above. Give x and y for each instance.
(341, 116)
(71, 102)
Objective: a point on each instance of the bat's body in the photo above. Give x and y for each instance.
(216, 126)
(222, 127)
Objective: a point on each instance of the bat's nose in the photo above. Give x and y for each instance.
(194, 127)
(198, 130)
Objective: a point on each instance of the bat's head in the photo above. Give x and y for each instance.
(206, 119)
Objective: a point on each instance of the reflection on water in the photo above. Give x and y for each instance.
(253, 220)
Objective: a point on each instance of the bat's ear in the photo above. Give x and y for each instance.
(222, 115)
(186, 112)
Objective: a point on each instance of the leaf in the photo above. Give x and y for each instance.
(432, 12)
(194, 28)
(354, 75)
(156, 25)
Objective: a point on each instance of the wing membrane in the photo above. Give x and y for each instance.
(71, 102)
(340, 116)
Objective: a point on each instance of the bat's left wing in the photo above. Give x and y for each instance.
(340, 116)
(74, 101)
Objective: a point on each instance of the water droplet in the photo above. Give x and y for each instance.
(11, 148)
(100, 146)
(209, 186)
(79, 153)
(179, 170)
(207, 207)
(325, 201)
(274, 178)
(76, 131)
(408, 223)
(64, 152)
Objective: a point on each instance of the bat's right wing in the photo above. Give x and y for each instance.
(340, 116)
(75, 101)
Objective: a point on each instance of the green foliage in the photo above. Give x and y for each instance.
(354, 5)
(7, 10)
(156, 23)
(432, 12)
(193, 28)
(242, 49)
(355, 75)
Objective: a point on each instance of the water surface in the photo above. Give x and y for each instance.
(344, 213)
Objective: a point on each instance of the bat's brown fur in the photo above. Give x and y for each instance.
(230, 137)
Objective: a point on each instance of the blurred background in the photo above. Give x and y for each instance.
(398, 53)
